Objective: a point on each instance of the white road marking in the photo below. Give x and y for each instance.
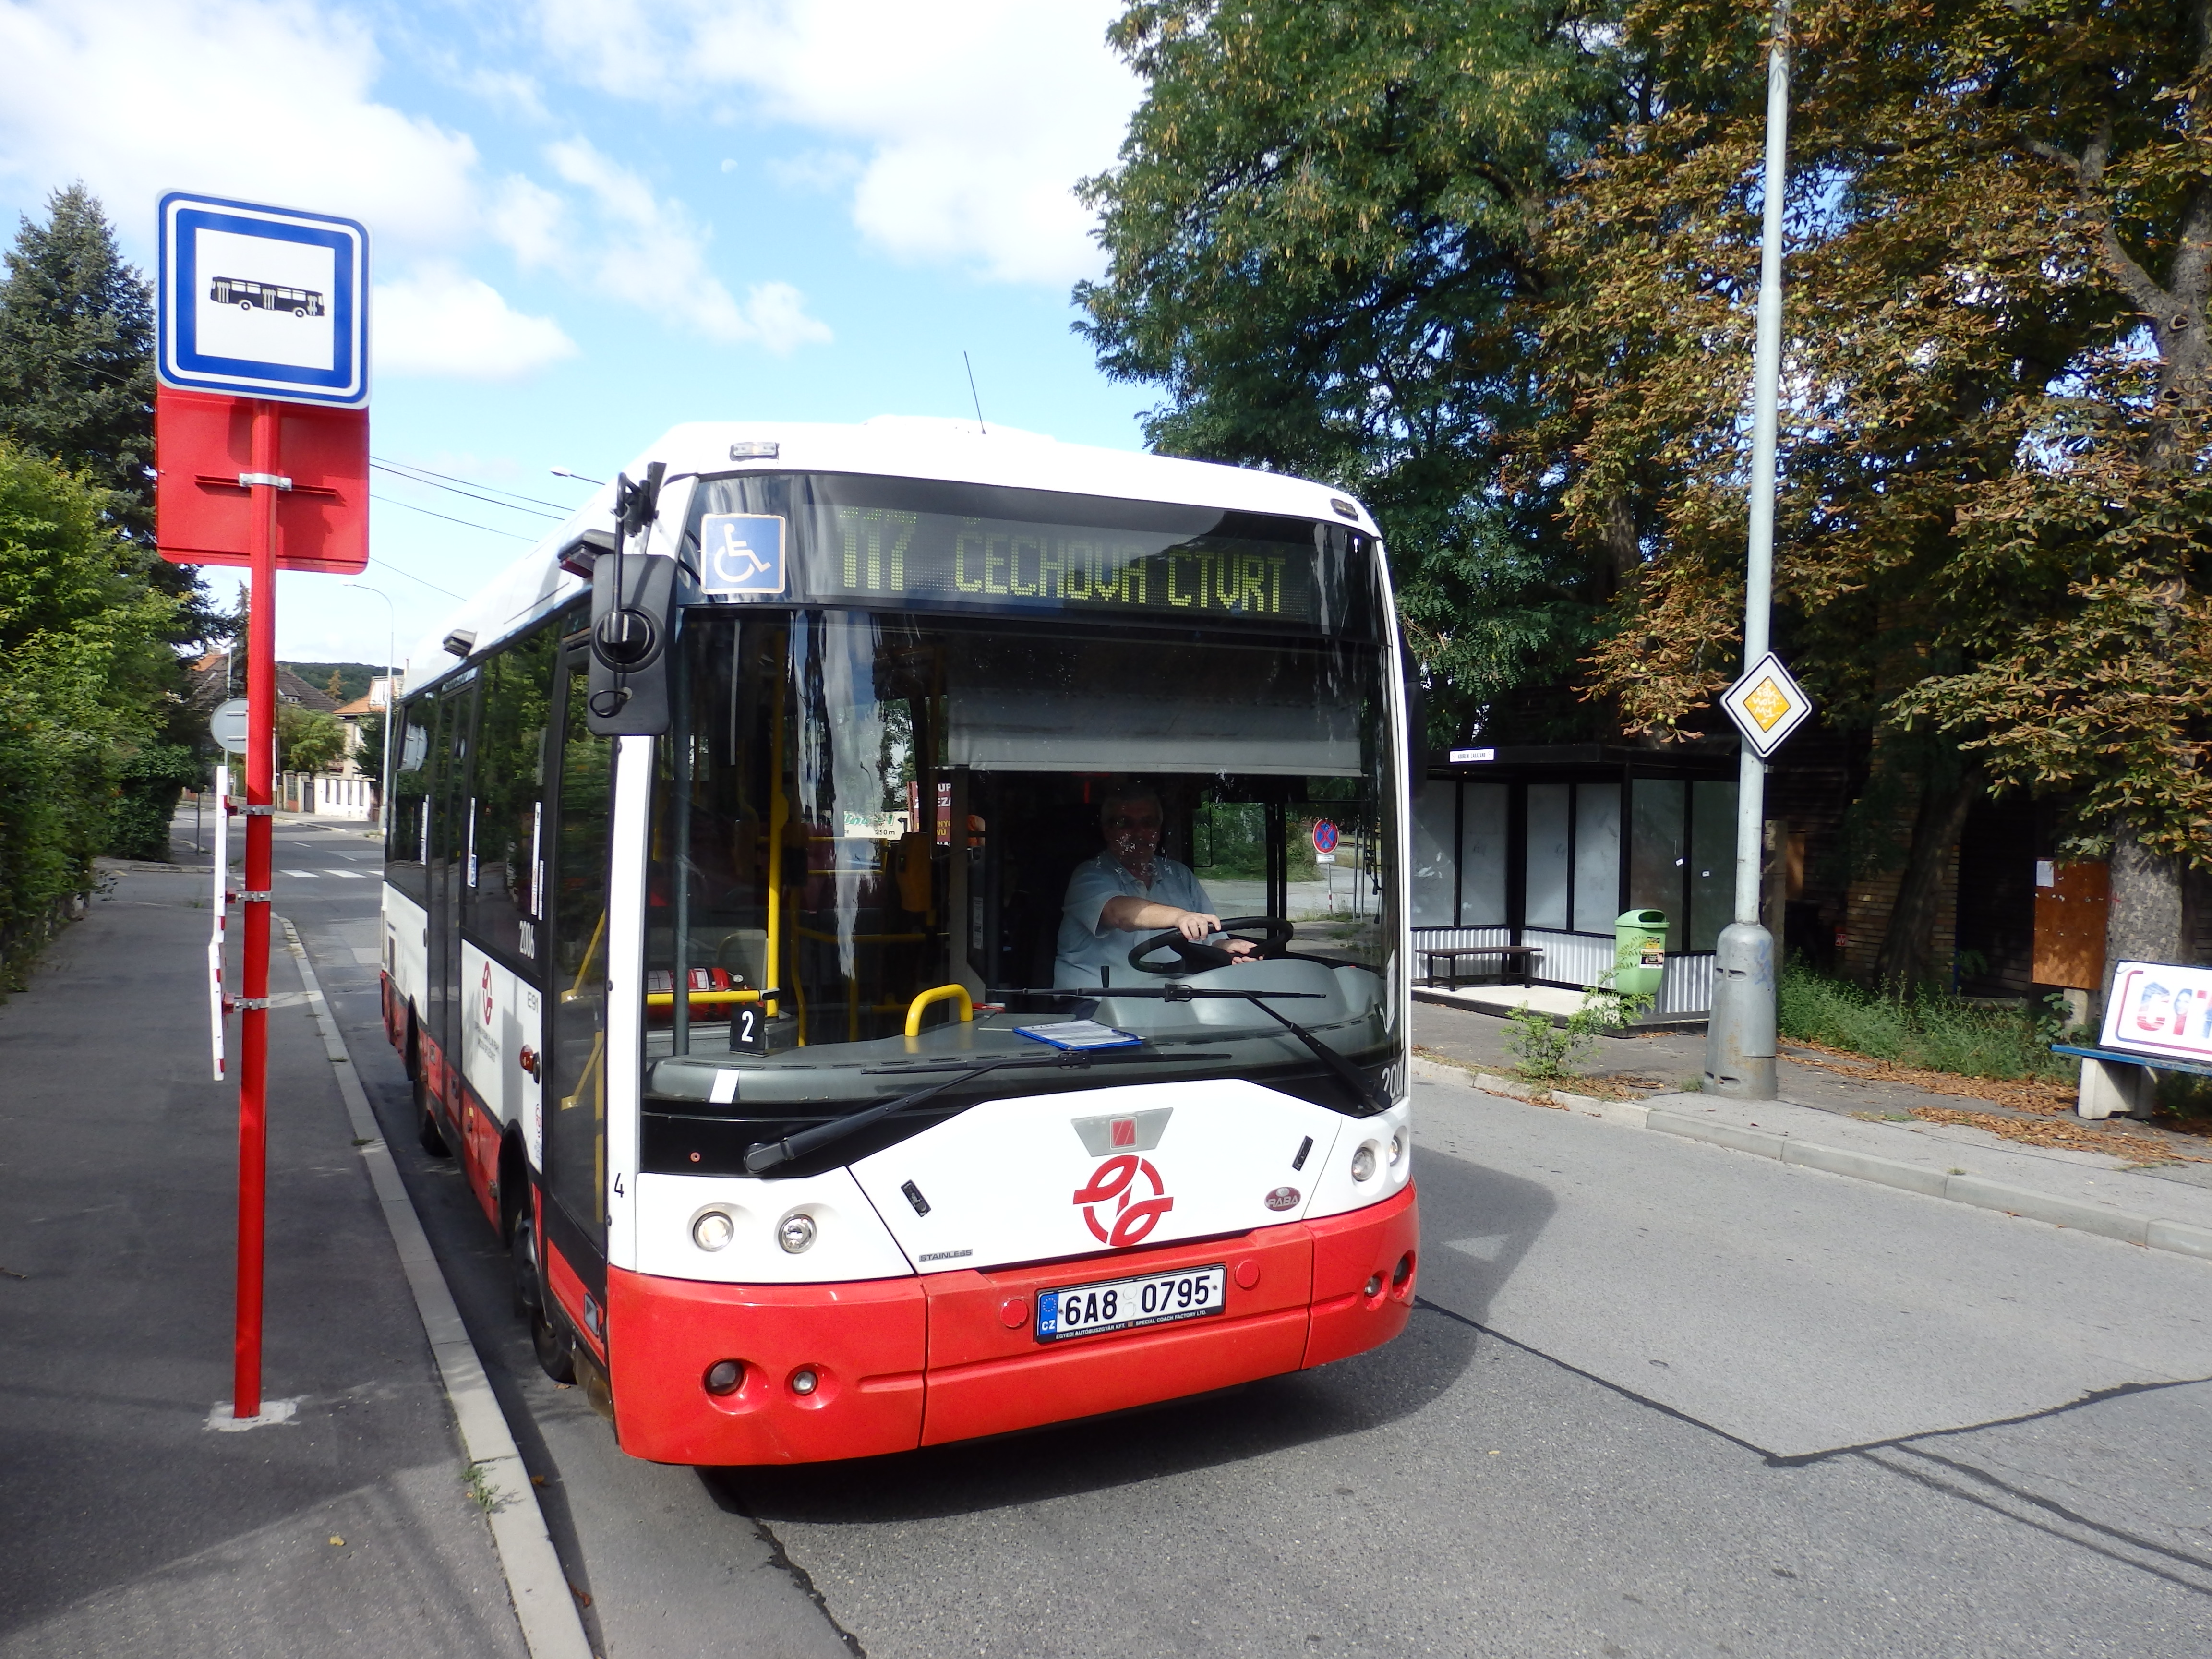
(304, 875)
(1483, 1248)
(350, 875)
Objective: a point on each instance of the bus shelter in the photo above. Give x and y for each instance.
(1547, 846)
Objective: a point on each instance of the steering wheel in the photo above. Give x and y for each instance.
(1197, 957)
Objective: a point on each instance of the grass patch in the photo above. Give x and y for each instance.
(1937, 1033)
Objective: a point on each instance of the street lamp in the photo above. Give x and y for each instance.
(1739, 1031)
(391, 700)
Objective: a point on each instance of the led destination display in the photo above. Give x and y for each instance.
(880, 552)
(875, 541)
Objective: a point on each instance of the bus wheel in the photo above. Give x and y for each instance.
(553, 1355)
(426, 1131)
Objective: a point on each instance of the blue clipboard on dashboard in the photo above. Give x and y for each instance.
(1084, 1033)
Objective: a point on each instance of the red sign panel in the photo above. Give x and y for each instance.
(204, 441)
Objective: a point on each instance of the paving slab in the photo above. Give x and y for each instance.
(129, 1525)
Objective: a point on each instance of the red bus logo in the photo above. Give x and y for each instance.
(1112, 1190)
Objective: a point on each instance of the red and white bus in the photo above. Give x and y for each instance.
(724, 916)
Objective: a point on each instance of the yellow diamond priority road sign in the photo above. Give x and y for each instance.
(1767, 705)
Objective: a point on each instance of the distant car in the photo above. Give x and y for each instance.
(265, 296)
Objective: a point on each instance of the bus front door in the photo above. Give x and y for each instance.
(575, 1150)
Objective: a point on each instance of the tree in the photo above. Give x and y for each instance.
(77, 374)
(1325, 242)
(85, 672)
(308, 740)
(369, 756)
(1970, 409)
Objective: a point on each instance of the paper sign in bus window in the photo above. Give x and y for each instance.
(741, 553)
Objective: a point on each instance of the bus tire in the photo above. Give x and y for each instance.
(553, 1355)
(426, 1131)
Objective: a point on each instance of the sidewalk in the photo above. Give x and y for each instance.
(129, 1525)
(2153, 1187)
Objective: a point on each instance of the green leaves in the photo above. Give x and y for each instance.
(1324, 239)
(84, 670)
(1993, 513)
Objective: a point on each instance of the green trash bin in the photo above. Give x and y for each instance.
(1639, 951)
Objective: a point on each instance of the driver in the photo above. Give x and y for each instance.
(1129, 892)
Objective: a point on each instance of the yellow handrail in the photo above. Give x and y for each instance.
(667, 999)
(938, 993)
(590, 954)
(779, 811)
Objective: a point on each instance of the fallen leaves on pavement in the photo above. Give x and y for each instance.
(2047, 1094)
(2072, 1137)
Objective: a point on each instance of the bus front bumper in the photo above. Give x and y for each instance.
(886, 1365)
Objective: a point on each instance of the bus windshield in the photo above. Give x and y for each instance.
(866, 821)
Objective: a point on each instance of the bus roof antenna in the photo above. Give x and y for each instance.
(982, 431)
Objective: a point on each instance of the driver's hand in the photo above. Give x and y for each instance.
(1196, 926)
(1242, 949)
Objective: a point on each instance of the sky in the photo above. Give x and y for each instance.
(591, 220)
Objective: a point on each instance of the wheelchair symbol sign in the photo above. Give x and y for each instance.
(740, 553)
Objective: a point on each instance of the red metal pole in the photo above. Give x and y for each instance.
(253, 1022)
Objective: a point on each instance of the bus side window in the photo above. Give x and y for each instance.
(504, 888)
(411, 789)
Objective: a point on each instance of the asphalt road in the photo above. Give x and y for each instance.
(1658, 1399)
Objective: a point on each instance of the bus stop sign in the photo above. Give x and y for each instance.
(262, 309)
(264, 302)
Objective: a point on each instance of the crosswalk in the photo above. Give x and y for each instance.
(316, 875)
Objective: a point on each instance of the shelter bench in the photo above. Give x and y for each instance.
(2114, 1080)
(1525, 954)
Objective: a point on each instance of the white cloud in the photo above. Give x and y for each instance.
(976, 119)
(652, 253)
(440, 321)
(815, 171)
(275, 102)
(508, 90)
(246, 97)
(528, 218)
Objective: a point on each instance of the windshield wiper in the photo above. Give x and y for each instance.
(1343, 1070)
(1363, 1089)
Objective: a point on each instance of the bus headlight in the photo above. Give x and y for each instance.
(1397, 1150)
(1362, 1162)
(795, 1232)
(713, 1229)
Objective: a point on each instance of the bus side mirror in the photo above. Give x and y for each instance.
(633, 634)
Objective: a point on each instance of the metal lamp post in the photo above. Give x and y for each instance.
(1740, 1035)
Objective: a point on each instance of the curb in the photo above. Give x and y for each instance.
(2129, 1227)
(1663, 1025)
(536, 1585)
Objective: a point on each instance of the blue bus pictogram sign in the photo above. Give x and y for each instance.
(259, 301)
